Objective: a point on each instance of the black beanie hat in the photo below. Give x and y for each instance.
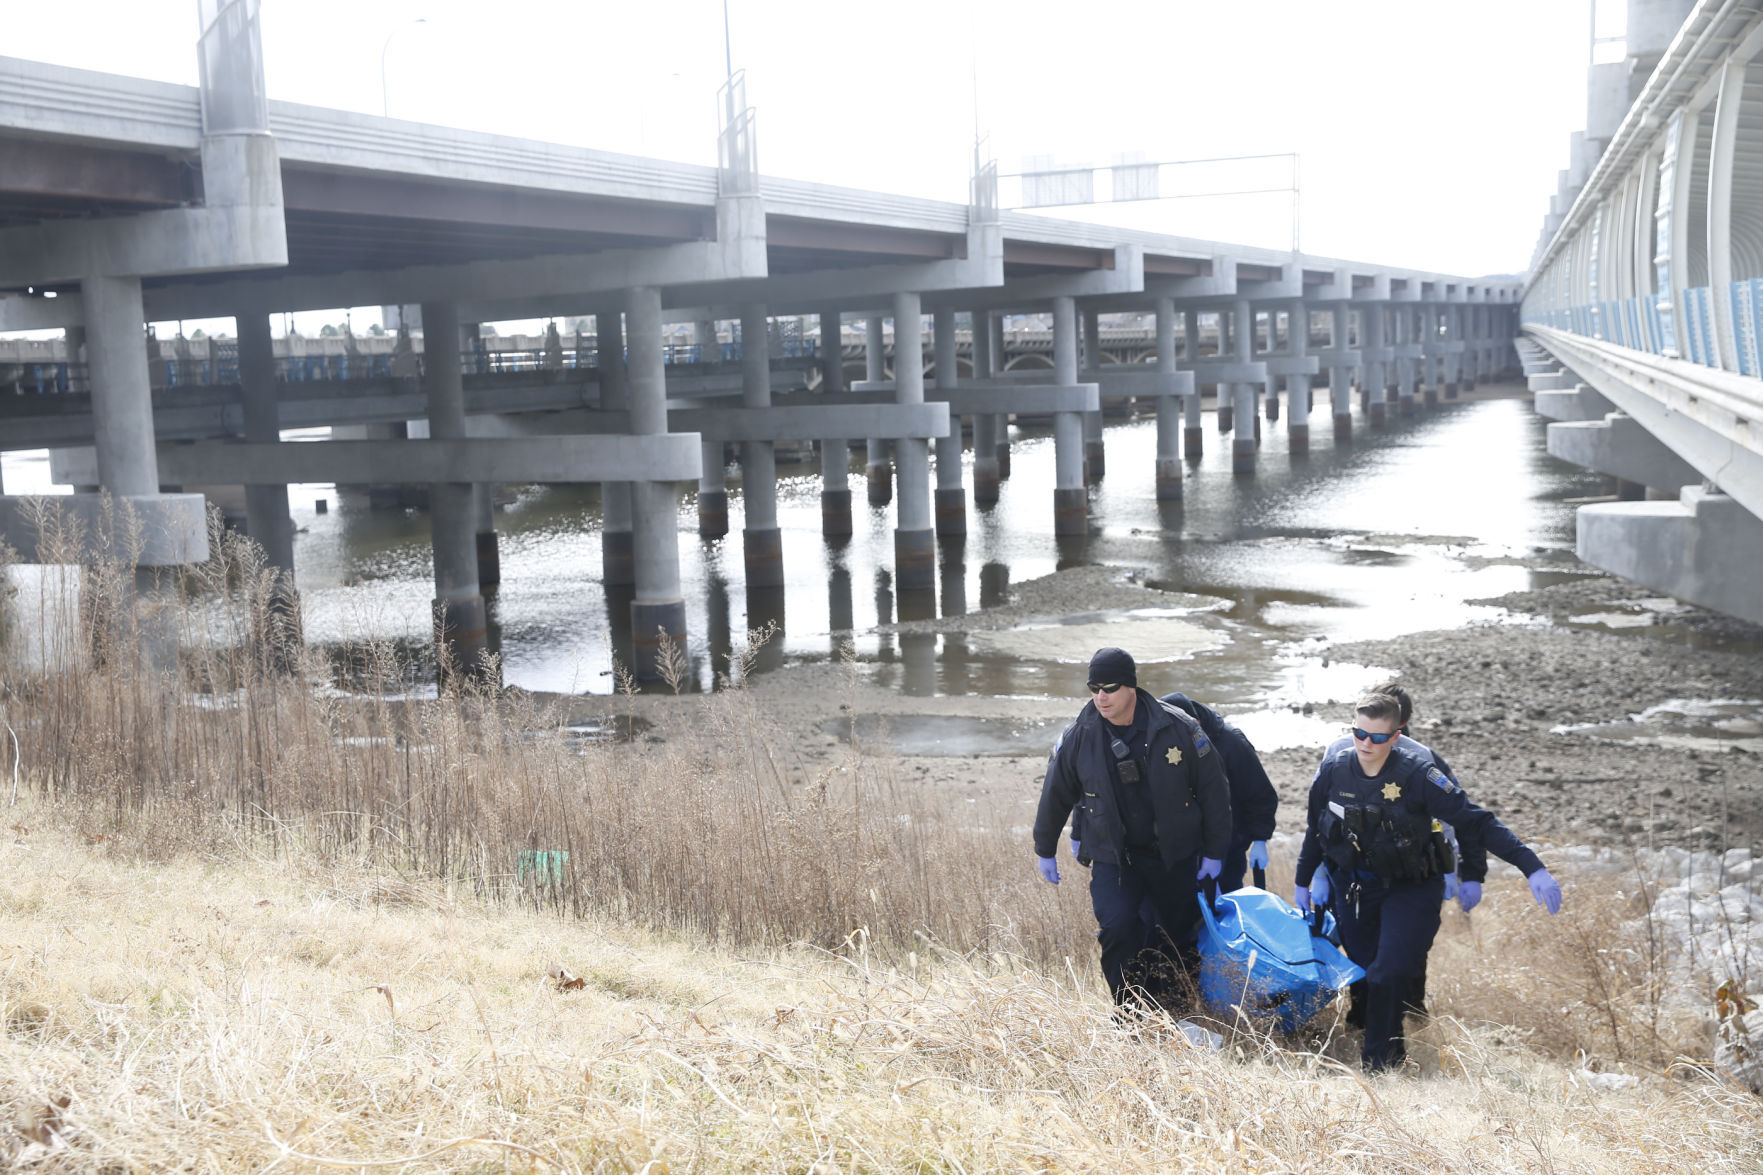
(1113, 666)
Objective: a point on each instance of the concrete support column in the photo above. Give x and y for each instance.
(1471, 357)
(1070, 502)
(1271, 407)
(761, 540)
(986, 425)
(1374, 388)
(835, 452)
(1340, 391)
(1433, 363)
(1095, 458)
(915, 541)
(1002, 426)
(1169, 470)
(266, 506)
(1297, 384)
(880, 470)
(1242, 445)
(951, 491)
(618, 567)
(489, 547)
(712, 492)
(1193, 435)
(658, 611)
(1227, 403)
(1405, 366)
(1454, 360)
(122, 401)
(460, 617)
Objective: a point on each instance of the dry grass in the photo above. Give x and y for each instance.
(249, 1012)
(254, 911)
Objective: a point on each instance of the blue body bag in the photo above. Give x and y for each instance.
(1258, 952)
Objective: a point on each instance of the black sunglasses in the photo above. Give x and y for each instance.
(1377, 740)
(1098, 687)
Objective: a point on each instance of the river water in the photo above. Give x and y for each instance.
(1393, 533)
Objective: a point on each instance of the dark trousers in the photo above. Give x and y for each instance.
(1388, 930)
(1133, 952)
(1236, 867)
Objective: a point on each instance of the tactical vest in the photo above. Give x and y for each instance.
(1379, 827)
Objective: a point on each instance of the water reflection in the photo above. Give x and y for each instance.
(1393, 533)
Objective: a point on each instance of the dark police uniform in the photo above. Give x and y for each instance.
(1387, 860)
(1149, 806)
(1254, 804)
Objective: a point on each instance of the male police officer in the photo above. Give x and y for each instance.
(1373, 813)
(1253, 802)
(1153, 797)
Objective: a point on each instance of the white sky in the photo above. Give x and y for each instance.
(1430, 131)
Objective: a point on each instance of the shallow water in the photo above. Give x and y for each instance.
(1391, 534)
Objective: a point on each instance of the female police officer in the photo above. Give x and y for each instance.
(1374, 814)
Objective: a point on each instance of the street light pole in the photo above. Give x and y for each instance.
(385, 105)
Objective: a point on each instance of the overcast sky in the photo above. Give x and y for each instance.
(1430, 131)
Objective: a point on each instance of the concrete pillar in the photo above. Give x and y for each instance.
(1298, 385)
(1095, 458)
(1453, 360)
(880, 471)
(1227, 404)
(1340, 391)
(1001, 427)
(1070, 502)
(704, 337)
(1169, 470)
(266, 506)
(1374, 388)
(835, 452)
(915, 542)
(617, 542)
(951, 492)
(460, 617)
(1193, 435)
(712, 492)
(1272, 401)
(761, 540)
(986, 425)
(1242, 445)
(1405, 367)
(658, 611)
(489, 547)
(122, 403)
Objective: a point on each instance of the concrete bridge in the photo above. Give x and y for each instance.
(1643, 316)
(124, 202)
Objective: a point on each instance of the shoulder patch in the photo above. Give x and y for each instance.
(1442, 781)
(1202, 744)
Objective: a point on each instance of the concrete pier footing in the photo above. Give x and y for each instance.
(1071, 511)
(712, 513)
(1297, 439)
(1226, 411)
(915, 560)
(762, 551)
(489, 559)
(1378, 414)
(1193, 442)
(951, 511)
(881, 477)
(1242, 456)
(835, 514)
(1343, 426)
(1704, 548)
(658, 636)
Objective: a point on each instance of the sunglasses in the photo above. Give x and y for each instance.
(1097, 687)
(1377, 740)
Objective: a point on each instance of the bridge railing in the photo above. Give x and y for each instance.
(43, 379)
(1646, 324)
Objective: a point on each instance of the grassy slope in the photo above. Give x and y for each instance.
(229, 1013)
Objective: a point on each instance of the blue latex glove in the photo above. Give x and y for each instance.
(1319, 888)
(1545, 890)
(1451, 886)
(1209, 867)
(1076, 851)
(1469, 895)
(1258, 855)
(1301, 897)
(1049, 869)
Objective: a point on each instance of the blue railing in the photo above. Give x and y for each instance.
(1642, 324)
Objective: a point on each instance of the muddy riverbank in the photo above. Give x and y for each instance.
(1591, 713)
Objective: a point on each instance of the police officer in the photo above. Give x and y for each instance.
(1253, 802)
(1153, 797)
(1375, 813)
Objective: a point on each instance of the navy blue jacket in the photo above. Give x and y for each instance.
(1253, 802)
(1188, 789)
(1417, 784)
(1472, 854)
